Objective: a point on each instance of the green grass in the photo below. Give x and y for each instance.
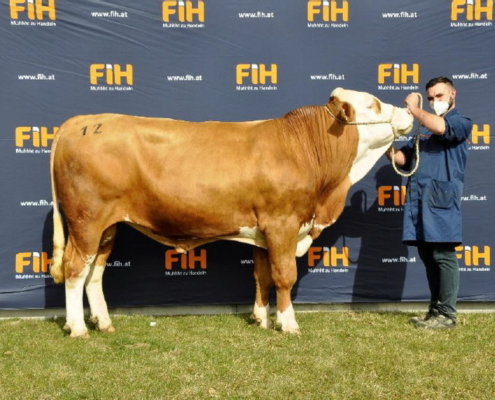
(339, 355)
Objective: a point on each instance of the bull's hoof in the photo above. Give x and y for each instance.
(105, 325)
(76, 333)
(292, 329)
(106, 329)
(79, 335)
(296, 332)
(264, 323)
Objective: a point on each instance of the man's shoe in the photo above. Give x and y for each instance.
(423, 318)
(437, 323)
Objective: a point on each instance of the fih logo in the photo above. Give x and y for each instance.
(474, 255)
(329, 257)
(256, 76)
(472, 10)
(328, 10)
(35, 10)
(36, 136)
(391, 195)
(398, 73)
(111, 74)
(32, 263)
(188, 262)
(478, 135)
(183, 11)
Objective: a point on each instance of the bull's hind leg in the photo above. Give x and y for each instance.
(282, 243)
(94, 283)
(76, 268)
(264, 282)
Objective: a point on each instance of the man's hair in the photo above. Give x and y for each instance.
(440, 79)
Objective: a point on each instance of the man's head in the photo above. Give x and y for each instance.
(441, 94)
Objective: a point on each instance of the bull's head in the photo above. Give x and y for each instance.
(373, 117)
(377, 124)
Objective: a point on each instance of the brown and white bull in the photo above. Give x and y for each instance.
(275, 184)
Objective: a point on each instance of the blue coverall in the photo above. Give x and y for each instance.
(432, 211)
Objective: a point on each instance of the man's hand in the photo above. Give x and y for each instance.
(412, 102)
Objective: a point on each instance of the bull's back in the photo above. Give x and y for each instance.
(89, 133)
(151, 143)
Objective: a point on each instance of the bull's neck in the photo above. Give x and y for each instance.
(320, 143)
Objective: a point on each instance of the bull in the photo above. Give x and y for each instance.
(274, 184)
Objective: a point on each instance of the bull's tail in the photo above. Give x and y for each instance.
(56, 268)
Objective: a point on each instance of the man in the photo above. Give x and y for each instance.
(432, 211)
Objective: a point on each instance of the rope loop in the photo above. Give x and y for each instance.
(416, 149)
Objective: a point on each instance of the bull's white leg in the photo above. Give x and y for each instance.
(287, 320)
(264, 282)
(96, 299)
(262, 316)
(74, 289)
(282, 238)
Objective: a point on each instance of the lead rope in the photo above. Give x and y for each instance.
(416, 149)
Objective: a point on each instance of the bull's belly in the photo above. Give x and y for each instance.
(252, 236)
(255, 237)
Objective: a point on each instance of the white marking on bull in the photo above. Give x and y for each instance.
(262, 316)
(287, 320)
(248, 235)
(105, 241)
(89, 260)
(127, 218)
(255, 237)
(305, 228)
(303, 245)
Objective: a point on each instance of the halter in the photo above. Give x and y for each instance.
(347, 122)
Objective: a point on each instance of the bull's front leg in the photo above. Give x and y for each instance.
(282, 241)
(264, 282)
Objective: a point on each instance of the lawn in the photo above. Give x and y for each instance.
(339, 355)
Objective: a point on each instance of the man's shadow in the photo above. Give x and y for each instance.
(381, 261)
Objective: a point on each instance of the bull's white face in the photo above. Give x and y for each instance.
(368, 108)
(374, 139)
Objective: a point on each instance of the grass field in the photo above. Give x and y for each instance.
(339, 355)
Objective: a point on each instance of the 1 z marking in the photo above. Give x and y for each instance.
(96, 129)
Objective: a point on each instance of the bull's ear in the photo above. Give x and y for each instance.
(347, 111)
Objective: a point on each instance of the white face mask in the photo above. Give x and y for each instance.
(440, 107)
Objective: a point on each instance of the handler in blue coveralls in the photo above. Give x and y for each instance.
(432, 211)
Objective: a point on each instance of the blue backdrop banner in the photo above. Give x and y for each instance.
(236, 60)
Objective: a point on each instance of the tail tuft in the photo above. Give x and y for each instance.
(56, 269)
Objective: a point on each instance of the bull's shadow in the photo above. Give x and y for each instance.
(380, 262)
